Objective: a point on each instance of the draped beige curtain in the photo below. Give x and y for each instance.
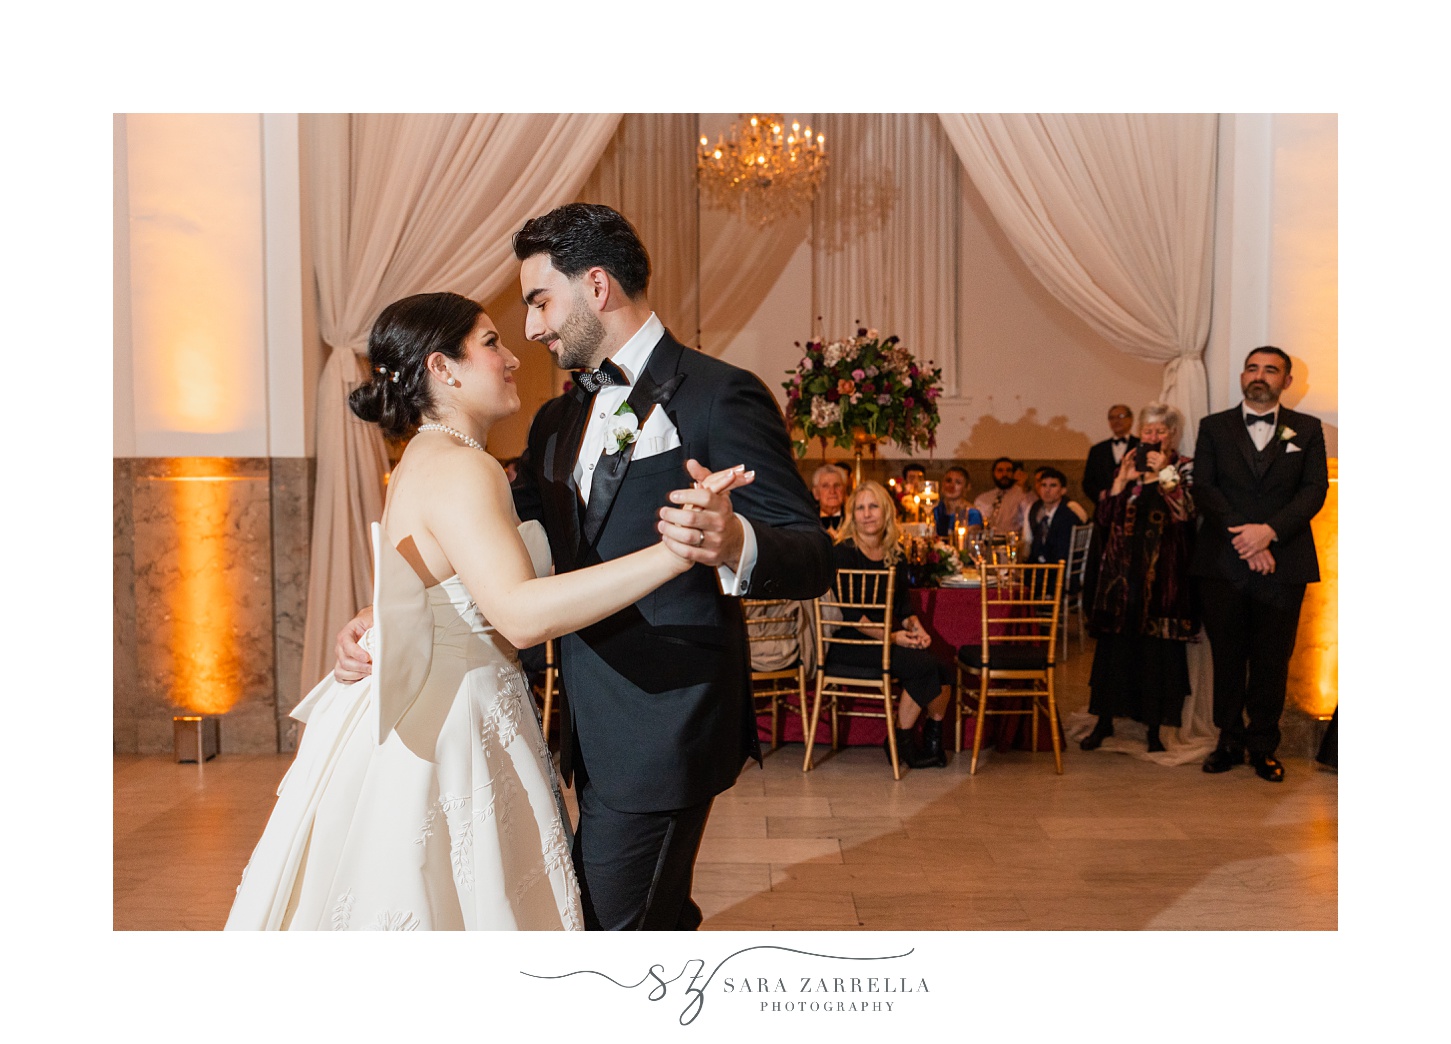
(1115, 214)
(885, 233)
(406, 204)
(647, 173)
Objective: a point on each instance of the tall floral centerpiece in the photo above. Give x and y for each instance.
(861, 390)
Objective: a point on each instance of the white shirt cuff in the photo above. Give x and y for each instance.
(736, 582)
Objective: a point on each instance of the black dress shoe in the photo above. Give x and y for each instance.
(1156, 745)
(1222, 759)
(932, 753)
(1266, 767)
(1102, 731)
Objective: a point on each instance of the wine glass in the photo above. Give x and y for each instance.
(930, 494)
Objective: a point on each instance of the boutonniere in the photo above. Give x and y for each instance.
(1168, 477)
(1286, 433)
(624, 429)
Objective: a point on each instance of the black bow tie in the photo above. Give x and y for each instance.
(1251, 419)
(1117, 441)
(608, 373)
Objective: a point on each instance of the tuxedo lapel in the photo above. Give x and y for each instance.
(653, 390)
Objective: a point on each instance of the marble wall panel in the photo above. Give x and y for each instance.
(123, 626)
(292, 485)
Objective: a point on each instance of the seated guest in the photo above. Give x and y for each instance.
(913, 475)
(1048, 529)
(869, 539)
(1004, 506)
(1104, 457)
(1020, 477)
(956, 491)
(1068, 502)
(828, 486)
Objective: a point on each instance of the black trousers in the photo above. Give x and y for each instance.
(1251, 626)
(635, 868)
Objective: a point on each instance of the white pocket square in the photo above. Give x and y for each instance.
(657, 435)
(650, 448)
(1290, 447)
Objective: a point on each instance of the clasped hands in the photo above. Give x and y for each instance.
(912, 635)
(1252, 540)
(704, 529)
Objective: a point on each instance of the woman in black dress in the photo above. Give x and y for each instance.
(869, 539)
(1143, 611)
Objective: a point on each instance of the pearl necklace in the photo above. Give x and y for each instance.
(467, 440)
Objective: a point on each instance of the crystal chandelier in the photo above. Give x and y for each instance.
(763, 169)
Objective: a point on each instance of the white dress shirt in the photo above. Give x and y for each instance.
(631, 358)
(1118, 446)
(1261, 434)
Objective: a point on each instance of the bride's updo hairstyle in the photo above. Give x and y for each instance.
(398, 395)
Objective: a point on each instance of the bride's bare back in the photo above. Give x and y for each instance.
(419, 487)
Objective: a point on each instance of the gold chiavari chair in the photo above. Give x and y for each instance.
(778, 661)
(547, 685)
(1020, 607)
(847, 689)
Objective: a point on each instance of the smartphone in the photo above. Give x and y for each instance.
(1141, 455)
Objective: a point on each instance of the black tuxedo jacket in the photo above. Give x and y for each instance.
(658, 695)
(1060, 534)
(1235, 484)
(1100, 468)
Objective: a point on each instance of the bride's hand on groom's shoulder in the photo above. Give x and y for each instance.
(353, 662)
(704, 529)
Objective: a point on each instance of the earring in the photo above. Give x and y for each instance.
(451, 382)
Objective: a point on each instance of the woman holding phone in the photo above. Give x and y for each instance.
(1143, 609)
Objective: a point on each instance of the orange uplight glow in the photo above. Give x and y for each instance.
(204, 651)
(1314, 682)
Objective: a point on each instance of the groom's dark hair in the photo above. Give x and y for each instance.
(580, 236)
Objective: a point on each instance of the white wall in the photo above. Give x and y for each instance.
(209, 309)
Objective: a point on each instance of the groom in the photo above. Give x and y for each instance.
(659, 711)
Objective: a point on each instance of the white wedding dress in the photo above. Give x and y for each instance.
(433, 807)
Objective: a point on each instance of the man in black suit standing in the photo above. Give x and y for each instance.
(659, 717)
(1104, 457)
(1260, 476)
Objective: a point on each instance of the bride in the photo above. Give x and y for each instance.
(451, 818)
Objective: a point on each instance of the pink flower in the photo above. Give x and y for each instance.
(909, 402)
(883, 399)
(858, 375)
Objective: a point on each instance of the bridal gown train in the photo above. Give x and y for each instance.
(434, 807)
